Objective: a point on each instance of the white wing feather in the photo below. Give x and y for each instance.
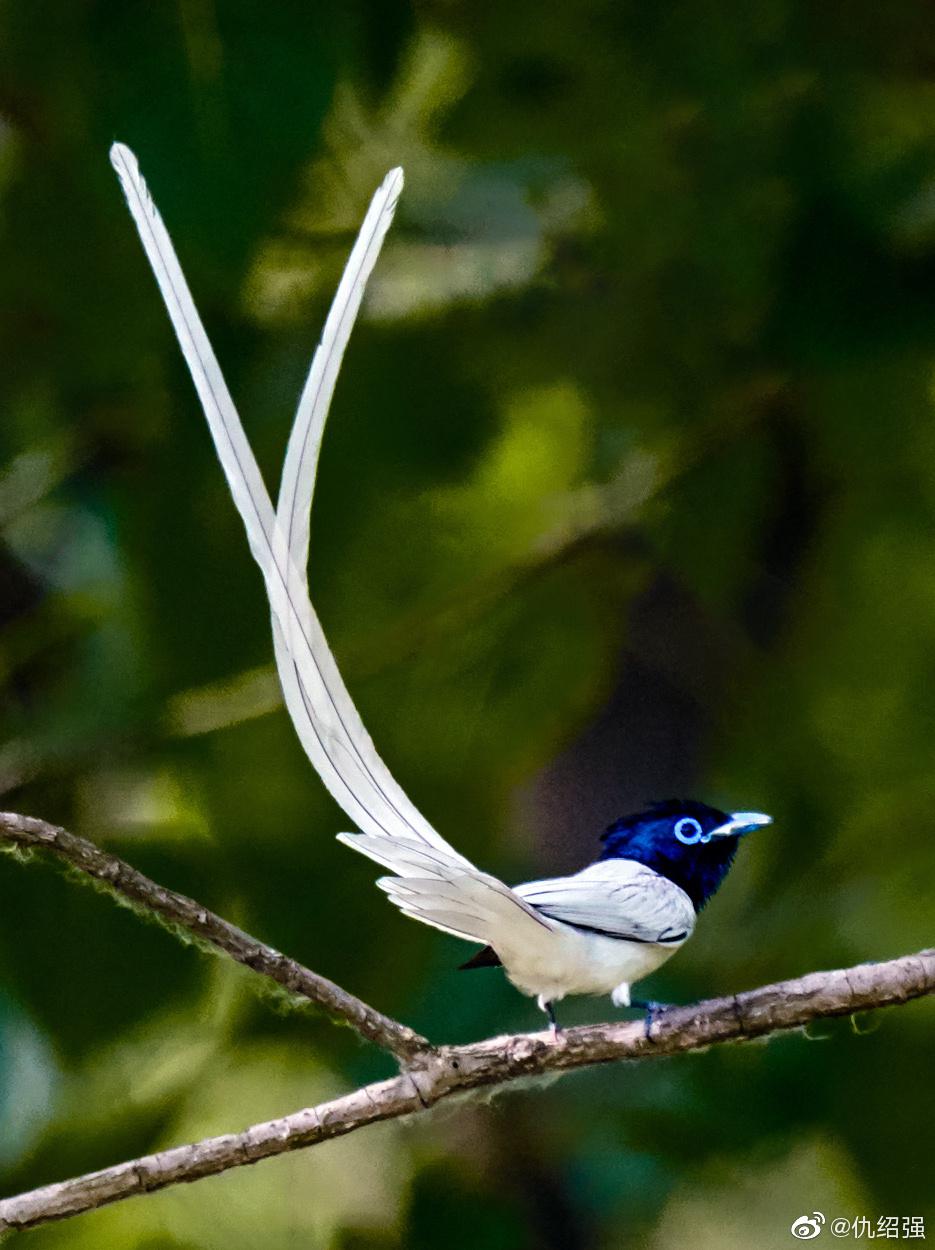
(618, 898)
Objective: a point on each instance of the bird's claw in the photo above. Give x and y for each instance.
(651, 1010)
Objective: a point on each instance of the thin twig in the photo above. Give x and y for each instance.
(119, 877)
(456, 1069)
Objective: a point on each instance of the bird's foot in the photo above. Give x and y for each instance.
(652, 1009)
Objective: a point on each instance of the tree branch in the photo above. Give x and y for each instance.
(127, 883)
(454, 1070)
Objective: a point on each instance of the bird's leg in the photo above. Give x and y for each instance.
(621, 998)
(553, 1023)
(650, 1007)
(548, 1007)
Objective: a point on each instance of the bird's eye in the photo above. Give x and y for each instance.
(687, 830)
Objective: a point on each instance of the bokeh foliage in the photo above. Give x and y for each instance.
(629, 491)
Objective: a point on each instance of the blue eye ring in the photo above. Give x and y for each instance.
(688, 831)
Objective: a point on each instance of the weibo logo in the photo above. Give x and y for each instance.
(807, 1227)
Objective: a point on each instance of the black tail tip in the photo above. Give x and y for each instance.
(486, 957)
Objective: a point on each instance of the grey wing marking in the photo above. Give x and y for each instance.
(629, 903)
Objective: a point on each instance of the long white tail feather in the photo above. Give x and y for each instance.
(324, 715)
(294, 510)
(240, 468)
(301, 463)
(407, 857)
(293, 514)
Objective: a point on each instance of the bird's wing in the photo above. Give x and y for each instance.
(616, 898)
(325, 718)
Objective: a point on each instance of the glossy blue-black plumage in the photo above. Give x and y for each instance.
(649, 838)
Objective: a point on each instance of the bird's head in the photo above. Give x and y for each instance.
(689, 842)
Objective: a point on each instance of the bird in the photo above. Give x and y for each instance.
(597, 931)
(621, 917)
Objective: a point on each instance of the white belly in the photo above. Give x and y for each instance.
(574, 962)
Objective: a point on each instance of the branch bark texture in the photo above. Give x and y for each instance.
(117, 875)
(452, 1070)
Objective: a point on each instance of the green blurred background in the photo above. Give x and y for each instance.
(628, 492)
